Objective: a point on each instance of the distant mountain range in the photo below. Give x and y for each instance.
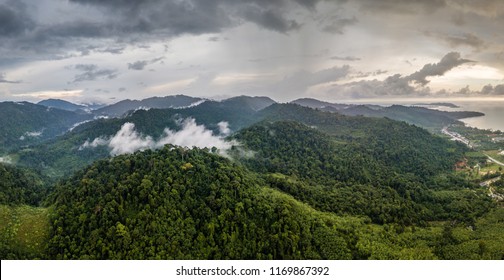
(25, 123)
(430, 119)
(241, 178)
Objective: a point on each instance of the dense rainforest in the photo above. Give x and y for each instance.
(297, 183)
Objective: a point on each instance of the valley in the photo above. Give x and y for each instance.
(248, 178)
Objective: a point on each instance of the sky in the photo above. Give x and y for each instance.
(108, 50)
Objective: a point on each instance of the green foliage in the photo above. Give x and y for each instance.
(21, 186)
(19, 119)
(24, 232)
(303, 184)
(147, 206)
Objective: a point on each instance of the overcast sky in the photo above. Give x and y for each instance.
(107, 50)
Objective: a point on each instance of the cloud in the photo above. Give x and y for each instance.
(464, 39)
(335, 24)
(345, 58)
(493, 90)
(14, 19)
(5, 81)
(224, 128)
(402, 6)
(448, 62)
(270, 19)
(194, 135)
(90, 72)
(398, 85)
(299, 82)
(127, 140)
(140, 65)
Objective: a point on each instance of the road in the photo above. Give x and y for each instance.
(494, 160)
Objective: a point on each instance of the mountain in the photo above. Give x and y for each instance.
(122, 107)
(433, 120)
(61, 104)
(188, 204)
(64, 155)
(317, 104)
(24, 123)
(284, 182)
(21, 186)
(255, 103)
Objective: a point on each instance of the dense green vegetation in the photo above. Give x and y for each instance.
(24, 232)
(21, 186)
(187, 204)
(301, 184)
(26, 123)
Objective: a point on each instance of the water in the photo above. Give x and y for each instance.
(493, 110)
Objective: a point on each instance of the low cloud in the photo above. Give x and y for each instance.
(91, 72)
(127, 140)
(140, 65)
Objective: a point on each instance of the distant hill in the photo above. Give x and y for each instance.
(120, 108)
(255, 103)
(430, 119)
(61, 104)
(317, 104)
(24, 123)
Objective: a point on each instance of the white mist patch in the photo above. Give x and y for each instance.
(5, 159)
(96, 142)
(191, 105)
(127, 140)
(31, 134)
(194, 135)
(224, 128)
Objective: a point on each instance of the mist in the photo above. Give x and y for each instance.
(127, 140)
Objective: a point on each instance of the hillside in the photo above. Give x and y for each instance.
(27, 124)
(65, 155)
(61, 104)
(347, 178)
(122, 107)
(430, 119)
(187, 204)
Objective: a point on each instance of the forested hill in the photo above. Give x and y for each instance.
(297, 183)
(25, 123)
(188, 204)
(346, 177)
(430, 119)
(21, 186)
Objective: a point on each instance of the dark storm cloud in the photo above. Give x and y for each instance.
(5, 81)
(448, 62)
(133, 21)
(402, 6)
(270, 19)
(14, 19)
(91, 72)
(202, 16)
